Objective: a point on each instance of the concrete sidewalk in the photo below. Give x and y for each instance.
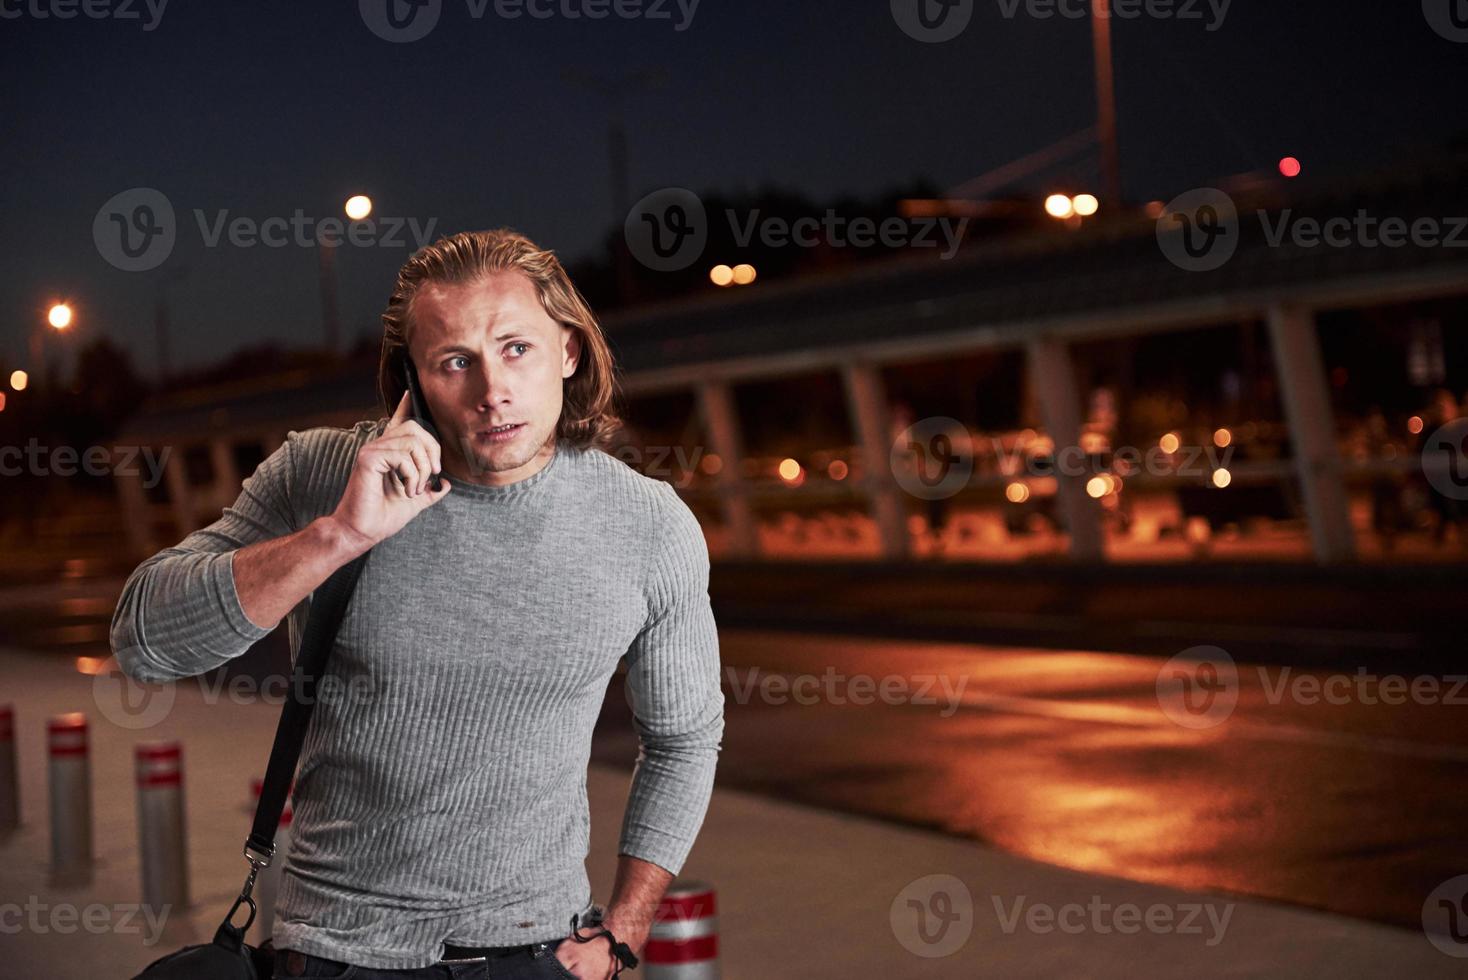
(802, 893)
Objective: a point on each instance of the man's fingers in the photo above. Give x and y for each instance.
(402, 412)
(420, 460)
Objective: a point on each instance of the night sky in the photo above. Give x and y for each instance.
(262, 108)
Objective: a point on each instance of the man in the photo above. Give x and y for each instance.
(442, 815)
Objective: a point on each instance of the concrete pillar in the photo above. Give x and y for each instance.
(180, 494)
(1053, 378)
(1312, 431)
(136, 511)
(866, 405)
(721, 426)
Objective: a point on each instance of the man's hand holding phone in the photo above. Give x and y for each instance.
(389, 485)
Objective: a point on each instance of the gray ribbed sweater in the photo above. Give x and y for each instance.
(442, 789)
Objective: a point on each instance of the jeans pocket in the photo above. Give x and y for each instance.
(554, 966)
(294, 963)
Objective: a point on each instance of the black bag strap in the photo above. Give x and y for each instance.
(328, 605)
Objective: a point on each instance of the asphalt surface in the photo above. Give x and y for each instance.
(1304, 791)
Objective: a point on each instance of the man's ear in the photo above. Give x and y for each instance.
(573, 352)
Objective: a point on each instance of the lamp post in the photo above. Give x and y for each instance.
(357, 208)
(1105, 101)
(59, 317)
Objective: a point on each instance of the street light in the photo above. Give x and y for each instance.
(59, 316)
(1059, 206)
(358, 206)
(19, 379)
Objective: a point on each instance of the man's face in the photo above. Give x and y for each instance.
(488, 355)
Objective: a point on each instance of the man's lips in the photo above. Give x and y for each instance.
(492, 435)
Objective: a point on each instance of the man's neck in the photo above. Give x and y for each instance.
(458, 470)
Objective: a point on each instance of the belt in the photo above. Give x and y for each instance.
(452, 952)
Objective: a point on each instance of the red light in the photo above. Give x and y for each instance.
(1290, 167)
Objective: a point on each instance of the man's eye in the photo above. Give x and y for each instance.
(526, 346)
(457, 357)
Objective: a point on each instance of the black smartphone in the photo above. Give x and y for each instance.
(418, 406)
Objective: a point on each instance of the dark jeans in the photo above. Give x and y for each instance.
(538, 964)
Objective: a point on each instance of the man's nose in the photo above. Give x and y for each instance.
(493, 387)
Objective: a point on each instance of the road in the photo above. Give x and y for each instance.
(1063, 756)
(1069, 758)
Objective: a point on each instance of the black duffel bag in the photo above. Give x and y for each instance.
(229, 957)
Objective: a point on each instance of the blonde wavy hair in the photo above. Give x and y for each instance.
(589, 397)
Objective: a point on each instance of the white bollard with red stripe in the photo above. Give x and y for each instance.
(268, 883)
(684, 941)
(71, 795)
(162, 833)
(9, 773)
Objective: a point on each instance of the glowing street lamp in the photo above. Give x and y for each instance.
(19, 379)
(1059, 206)
(358, 206)
(59, 316)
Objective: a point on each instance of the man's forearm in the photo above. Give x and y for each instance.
(272, 577)
(639, 888)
